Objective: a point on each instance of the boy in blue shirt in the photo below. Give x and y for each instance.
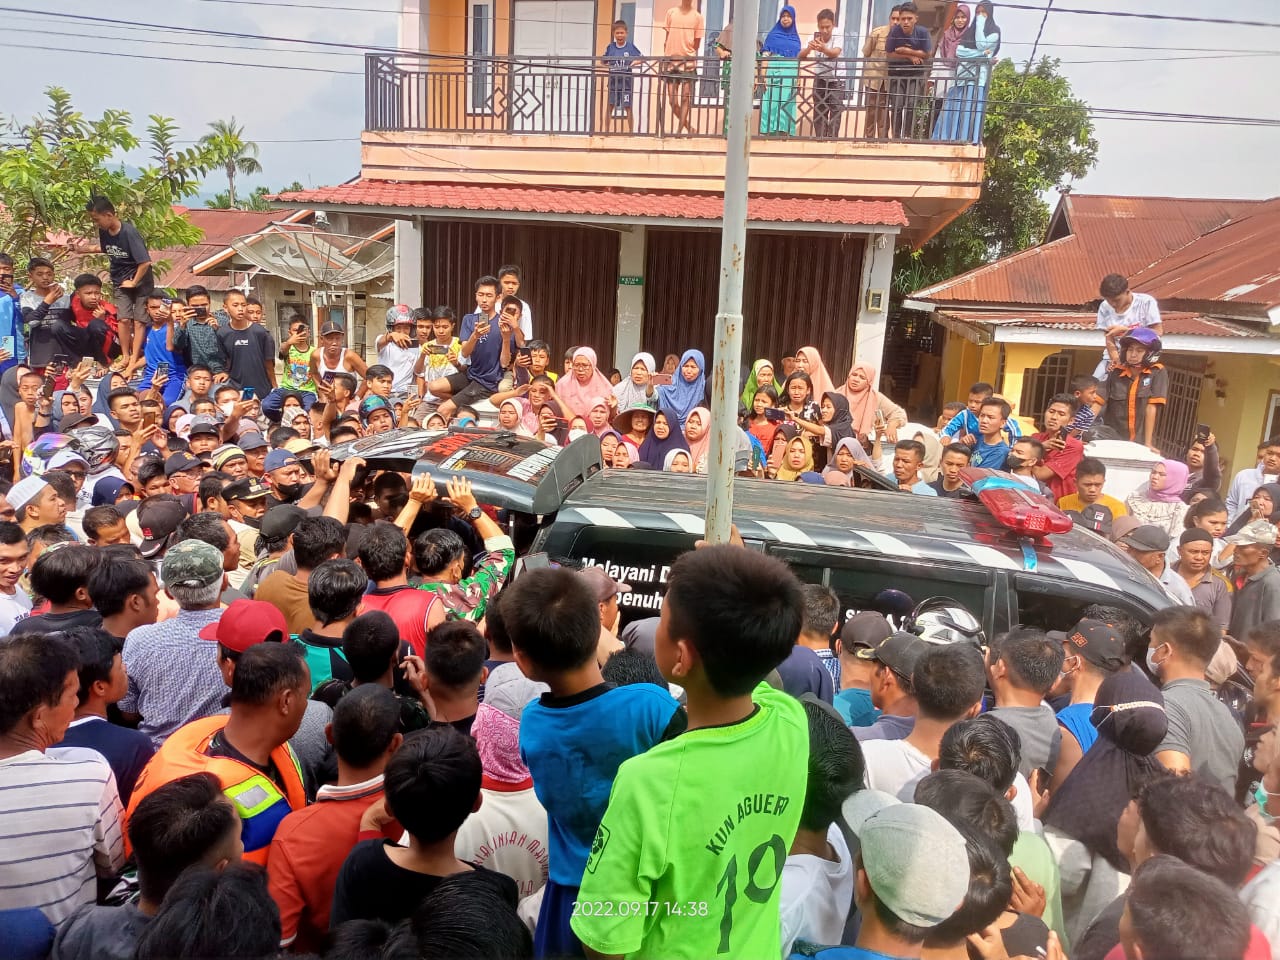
(991, 450)
(574, 738)
(964, 425)
(164, 343)
(621, 57)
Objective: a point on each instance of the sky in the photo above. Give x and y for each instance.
(308, 121)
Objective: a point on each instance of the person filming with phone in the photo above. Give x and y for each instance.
(481, 354)
(1063, 448)
(165, 346)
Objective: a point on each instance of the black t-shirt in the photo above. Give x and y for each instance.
(371, 887)
(248, 353)
(941, 491)
(55, 622)
(125, 251)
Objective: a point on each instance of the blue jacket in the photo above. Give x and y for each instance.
(11, 326)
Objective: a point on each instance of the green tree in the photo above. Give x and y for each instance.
(1038, 136)
(257, 199)
(234, 153)
(59, 159)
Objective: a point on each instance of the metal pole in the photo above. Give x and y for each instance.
(733, 244)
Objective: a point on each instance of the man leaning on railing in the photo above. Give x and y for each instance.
(828, 88)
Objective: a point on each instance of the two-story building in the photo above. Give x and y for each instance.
(491, 140)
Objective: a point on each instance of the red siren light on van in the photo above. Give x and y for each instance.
(1014, 505)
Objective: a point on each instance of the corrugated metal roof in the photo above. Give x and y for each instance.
(1089, 237)
(613, 203)
(220, 228)
(1175, 323)
(1238, 263)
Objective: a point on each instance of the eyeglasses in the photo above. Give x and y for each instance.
(75, 474)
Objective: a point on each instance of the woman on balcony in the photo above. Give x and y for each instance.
(966, 103)
(782, 67)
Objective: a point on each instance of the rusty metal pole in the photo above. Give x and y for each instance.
(733, 245)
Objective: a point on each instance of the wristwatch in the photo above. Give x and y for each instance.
(475, 513)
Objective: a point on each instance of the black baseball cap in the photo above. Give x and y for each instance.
(250, 488)
(280, 521)
(178, 462)
(900, 652)
(1097, 642)
(158, 518)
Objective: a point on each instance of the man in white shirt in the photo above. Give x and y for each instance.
(15, 605)
(1246, 483)
(1121, 309)
(397, 349)
(1148, 544)
(948, 682)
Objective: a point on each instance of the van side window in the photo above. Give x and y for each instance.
(890, 587)
(1058, 605)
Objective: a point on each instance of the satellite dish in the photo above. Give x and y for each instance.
(317, 258)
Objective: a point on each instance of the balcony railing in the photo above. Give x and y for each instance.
(846, 99)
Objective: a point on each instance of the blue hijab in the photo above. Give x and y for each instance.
(100, 406)
(783, 41)
(654, 451)
(682, 396)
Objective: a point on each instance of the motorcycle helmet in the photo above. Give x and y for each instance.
(36, 457)
(98, 445)
(942, 620)
(1144, 337)
(400, 313)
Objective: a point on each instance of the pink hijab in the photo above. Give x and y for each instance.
(698, 448)
(862, 406)
(818, 376)
(1175, 481)
(608, 427)
(581, 396)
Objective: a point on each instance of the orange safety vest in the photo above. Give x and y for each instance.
(256, 797)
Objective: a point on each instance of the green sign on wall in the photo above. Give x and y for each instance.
(631, 281)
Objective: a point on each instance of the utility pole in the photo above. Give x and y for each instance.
(733, 251)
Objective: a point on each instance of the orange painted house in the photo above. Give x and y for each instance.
(494, 137)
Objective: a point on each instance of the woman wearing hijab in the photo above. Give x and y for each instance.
(966, 103)
(610, 440)
(932, 464)
(677, 461)
(112, 381)
(809, 361)
(1264, 504)
(697, 431)
(797, 459)
(847, 454)
(598, 416)
(688, 388)
(1080, 822)
(833, 424)
(782, 66)
(638, 388)
(584, 384)
(553, 428)
(761, 375)
(516, 415)
(1159, 501)
(870, 409)
(664, 438)
(944, 60)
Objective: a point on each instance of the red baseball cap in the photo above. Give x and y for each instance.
(245, 623)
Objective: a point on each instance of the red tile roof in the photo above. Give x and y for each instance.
(1238, 263)
(220, 228)
(1088, 237)
(1175, 324)
(609, 203)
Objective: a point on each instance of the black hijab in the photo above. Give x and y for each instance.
(970, 38)
(841, 425)
(1129, 714)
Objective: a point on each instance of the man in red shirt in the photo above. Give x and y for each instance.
(310, 844)
(1063, 450)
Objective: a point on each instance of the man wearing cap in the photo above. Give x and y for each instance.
(1136, 387)
(173, 674)
(255, 450)
(247, 749)
(334, 356)
(184, 472)
(1147, 544)
(606, 591)
(203, 436)
(911, 874)
(948, 681)
(231, 460)
(70, 462)
(285, 476)
(862, 631)
(36, 504)
(1092, 651)
(246, 503)
(1256, 579)
(1211, 590)
(158, 518)
(275, 527)
(891, 693)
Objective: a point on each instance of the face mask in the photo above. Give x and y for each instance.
(1013, 463)
(253, 522)
(288, 491)
(227, 408)
(1152, 665)
(577, 434)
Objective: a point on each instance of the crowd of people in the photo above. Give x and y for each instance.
(257, 702)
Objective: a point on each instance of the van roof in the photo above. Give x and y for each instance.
(894, 524)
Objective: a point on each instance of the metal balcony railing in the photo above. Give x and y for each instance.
(846, 99)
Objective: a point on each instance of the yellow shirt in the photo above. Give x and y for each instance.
(1073, 502)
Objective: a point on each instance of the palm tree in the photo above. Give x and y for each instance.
(236, 154)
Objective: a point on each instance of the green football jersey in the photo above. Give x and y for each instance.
(688, 858)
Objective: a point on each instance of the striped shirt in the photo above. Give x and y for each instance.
(173, 675)
(59, 829)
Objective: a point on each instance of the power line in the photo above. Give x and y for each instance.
(219, 63)
(1176, 18)
(302, 6)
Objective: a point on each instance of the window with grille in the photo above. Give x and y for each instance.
(480, 46)
(1052, 376)
(1176, 423)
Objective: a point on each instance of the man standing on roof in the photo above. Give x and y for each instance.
(131, 275)
(1122, 310)
(1137, 385)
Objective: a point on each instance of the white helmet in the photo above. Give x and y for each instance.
(943, 620)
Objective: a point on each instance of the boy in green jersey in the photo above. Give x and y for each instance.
(688, 858)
